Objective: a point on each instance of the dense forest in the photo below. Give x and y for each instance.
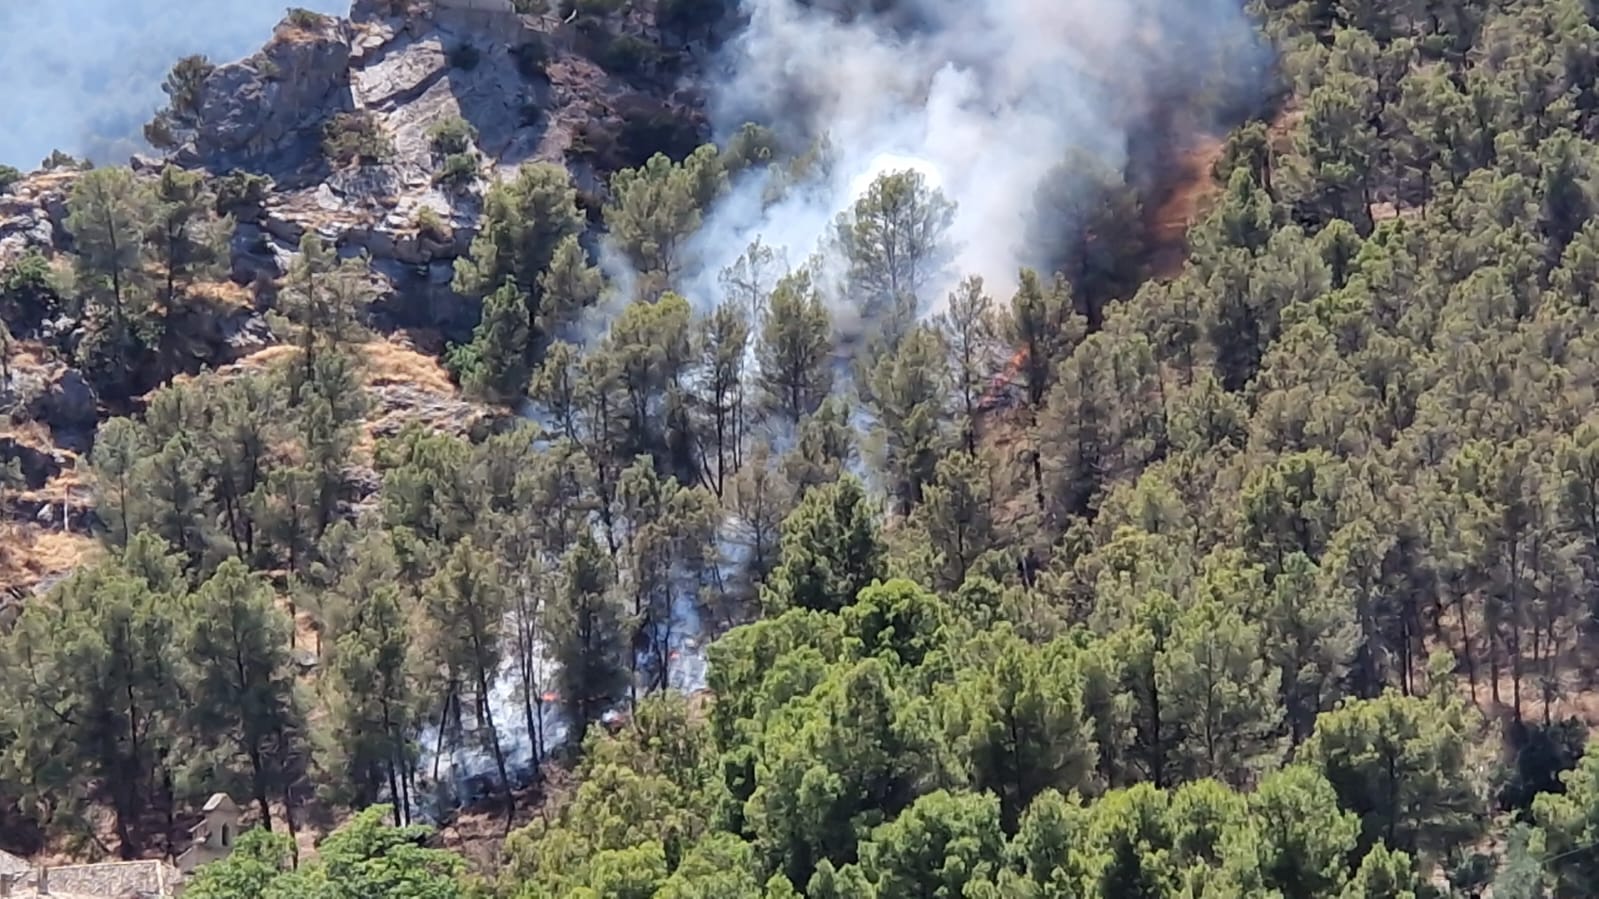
(1277, 575)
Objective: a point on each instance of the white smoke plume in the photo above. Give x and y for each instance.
(984, 97)
(83, 76)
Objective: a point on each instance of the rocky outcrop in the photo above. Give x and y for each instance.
(407, 67)
(67, 403)
(52, 394)
(262, 112)
(528, 86)
(398, 405)
(37, 465)
(33, 214)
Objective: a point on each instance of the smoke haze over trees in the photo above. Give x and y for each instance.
(83, 76)
(1274, 573)
(987, 100)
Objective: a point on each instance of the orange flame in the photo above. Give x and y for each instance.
(1002, 382)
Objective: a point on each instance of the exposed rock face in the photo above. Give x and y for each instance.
(527, 85)
(257, 111)
(51, 393)
(38, 466)
(68, 403)
(517, 80)
(397, 405)
(33, 214)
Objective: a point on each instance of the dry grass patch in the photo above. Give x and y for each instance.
(255, 363)
(29, 554)
(388, 362)
(70, 487)
(30, 354)
(31, 433)
(224, 294)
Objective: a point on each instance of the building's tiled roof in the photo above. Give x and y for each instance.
(115, 879)
(218, 800)
(27, 891)
(10, 864)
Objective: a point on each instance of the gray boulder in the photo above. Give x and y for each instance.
(67, 403)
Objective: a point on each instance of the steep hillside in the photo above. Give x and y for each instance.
(865, 501)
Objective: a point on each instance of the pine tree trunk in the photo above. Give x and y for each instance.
(258, 784)
(494, 743)
(1465, 643)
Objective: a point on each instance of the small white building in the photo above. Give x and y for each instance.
(213, 837)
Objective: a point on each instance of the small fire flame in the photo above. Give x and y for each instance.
(998, 393)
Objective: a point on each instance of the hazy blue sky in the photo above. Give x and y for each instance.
(85, 75)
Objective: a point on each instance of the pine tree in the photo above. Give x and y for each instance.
(91, 697)
(969, 326)
(241, 685)
(1043, 323)
(1299, 842)
(831, 550)
(494, 364)
(525, 223)
(908, 391)
(894, 239)
(957, 513)
(588, 633)
(1021, 726)
(750, 280)
(794, 354)
(570, 285)
(653, 211)
(189, 243)
(722, 344)
(466, 604)
(1219, 695)
(324, 297)
(374, 701)
(108, 213)
(1309, 635)
(1400, 762)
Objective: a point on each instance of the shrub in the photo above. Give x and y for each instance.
(430, 224)
(629, 55)
(29, 294)
(451, 136)
(648, 129)
(1542, 754)
(60, 160)
(8, 177)
(355, 137)
(158, 132)
(459, 170)
(465, 57)
(531, 7)
(238, 190)
(751, 145)
(305, 18)
(531, 59)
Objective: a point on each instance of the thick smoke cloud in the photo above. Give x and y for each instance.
(85, 75)
(985, 98)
